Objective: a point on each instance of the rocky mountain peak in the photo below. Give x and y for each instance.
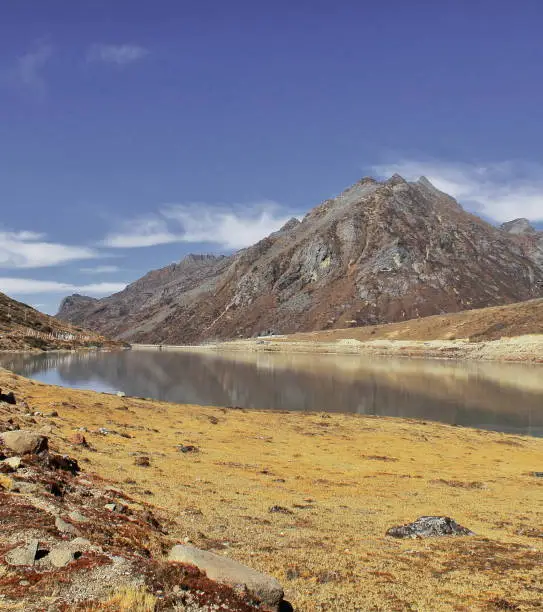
(378, 252)
(396, 179)
(518, 226)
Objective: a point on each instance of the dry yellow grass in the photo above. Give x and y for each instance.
(127, 599)
(345, 478)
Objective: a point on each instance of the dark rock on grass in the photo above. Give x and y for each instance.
(142, 461)
(189, 448)
(24, 442)
(429, 527)
(8, 398)
(62, 462)
(79, 439)
(280, 510)
(537, 474)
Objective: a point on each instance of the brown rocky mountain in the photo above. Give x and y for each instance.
(23, 327)
(379, 252)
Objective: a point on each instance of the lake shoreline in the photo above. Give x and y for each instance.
(520, 349)
(339, 480)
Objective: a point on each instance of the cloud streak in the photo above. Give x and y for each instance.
(116, 55)
(30, 250)
(230, 227)
(500, 191)
(100, 270)
(31, 64)
(28, 286)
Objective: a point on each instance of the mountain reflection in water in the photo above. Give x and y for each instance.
(502, 397)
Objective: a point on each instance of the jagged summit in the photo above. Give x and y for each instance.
(396, 179)
(519, 226)
(380, 251)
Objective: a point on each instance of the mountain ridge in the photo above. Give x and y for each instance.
(379, 252)
(23, 327)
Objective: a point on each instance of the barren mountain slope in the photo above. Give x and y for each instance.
(379, 252)
(22, 327)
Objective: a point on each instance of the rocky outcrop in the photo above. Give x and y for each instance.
(518, 226)
(379, 252)
(23, 442)
(226, 571)
(68, 541)
(429, 527)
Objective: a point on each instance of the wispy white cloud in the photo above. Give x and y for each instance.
(228, 226)
(28, 286)
(501, 191)
(31, 64)
(100, 270)
(30, 250)
(117, 55)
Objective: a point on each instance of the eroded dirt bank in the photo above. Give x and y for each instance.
(336, 482)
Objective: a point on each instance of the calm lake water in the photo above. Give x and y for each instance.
(501, 397)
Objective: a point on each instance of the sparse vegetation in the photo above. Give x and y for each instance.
(345, 484)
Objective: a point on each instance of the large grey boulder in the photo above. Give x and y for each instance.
(24, 442)
(430, 527)
(226, 571)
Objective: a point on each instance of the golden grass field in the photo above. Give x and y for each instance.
(345, 479)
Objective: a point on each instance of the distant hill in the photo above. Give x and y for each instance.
(379, 252)
(23, 327)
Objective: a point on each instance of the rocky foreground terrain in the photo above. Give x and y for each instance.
(24, 328)
(112, 503)
(379, 252)
(71, 542)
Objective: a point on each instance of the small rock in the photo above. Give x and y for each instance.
(60, 557)
(13, 462)
(227, 571)
(116, 507)
(65, 553)
(79, 440)
(6, 468)
(142, 461)
(24, 442)
(65, 527)
(27, 488)
(429, 527)
(188, 448)
(280, 510)
(62, 462)
(537, 474)
(8, 398)
(25, 555)
(78, 517)
(51, 414)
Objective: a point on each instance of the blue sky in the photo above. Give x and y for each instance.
(134, 132)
